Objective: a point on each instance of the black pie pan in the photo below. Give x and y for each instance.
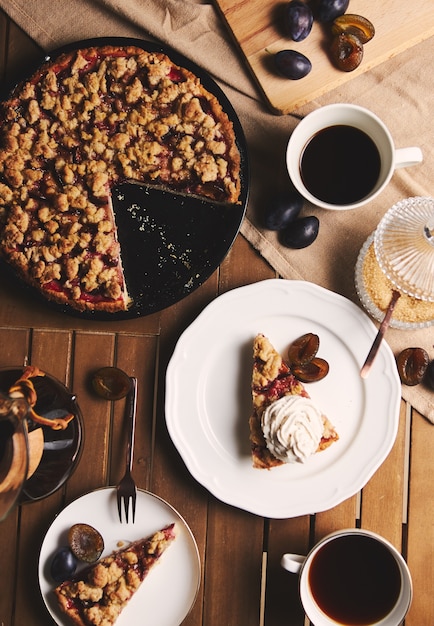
(170, 244)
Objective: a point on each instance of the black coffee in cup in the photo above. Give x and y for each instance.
(340, 164)
(355, 580)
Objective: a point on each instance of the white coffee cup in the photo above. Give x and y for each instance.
(353, 116)
(352, 572)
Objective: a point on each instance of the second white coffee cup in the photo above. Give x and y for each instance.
(342, 156)
(353, 576)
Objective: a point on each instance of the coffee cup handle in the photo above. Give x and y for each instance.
(405, 157)
(292, 562)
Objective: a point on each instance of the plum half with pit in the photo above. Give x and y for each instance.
(412, 364)
(346, 51)
(357, 25)
(311, 372)
(303, 360)
(86, 543)
(303, 349)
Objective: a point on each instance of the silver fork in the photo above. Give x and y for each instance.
(126, 489)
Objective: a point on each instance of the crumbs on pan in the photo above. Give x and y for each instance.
(167, 250)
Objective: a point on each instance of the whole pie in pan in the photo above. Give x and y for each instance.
(100, 593)
(84, 122)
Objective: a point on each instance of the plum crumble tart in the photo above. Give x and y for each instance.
(84, 122)
(98, 595)
(285, 425)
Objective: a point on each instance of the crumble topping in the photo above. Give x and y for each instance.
(100, 595)
(81, 124)
(272, 381)
(271, 362)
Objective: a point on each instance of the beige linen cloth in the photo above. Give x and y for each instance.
(399, 91)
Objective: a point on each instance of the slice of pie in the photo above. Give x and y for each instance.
(83, 123)
(98, 594)
(285, 425)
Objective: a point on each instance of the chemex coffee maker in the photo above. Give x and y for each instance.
(14, 455)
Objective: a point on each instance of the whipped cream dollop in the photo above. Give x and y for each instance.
(292, 427)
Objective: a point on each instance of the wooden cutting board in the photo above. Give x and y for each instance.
(257, 27)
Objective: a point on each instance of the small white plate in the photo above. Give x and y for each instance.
(168, 593)
(208, 397)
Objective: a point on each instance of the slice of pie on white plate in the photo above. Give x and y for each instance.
(285, 425)
(97, 596)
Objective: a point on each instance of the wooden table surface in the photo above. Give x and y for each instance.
(242, 582)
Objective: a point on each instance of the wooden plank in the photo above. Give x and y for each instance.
(282, 602)
(344, 515)
(383, 496)
(50, 351)
(420, 544)
(36, 519)
(91, 351)
(232, 566)
(14, 346)
(9, 546)
(257, 27)
(170, 478)
(232, 591)
(249, 265)
(136, 355)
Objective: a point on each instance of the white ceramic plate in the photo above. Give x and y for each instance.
(168, 593)
(208, 400)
